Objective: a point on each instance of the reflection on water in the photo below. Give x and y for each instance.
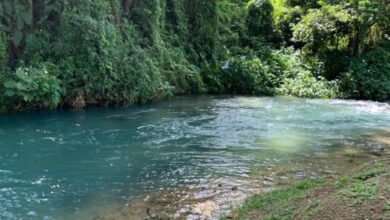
(184, 157)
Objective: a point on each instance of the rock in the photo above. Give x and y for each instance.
(300, 175)
(234, 188)
(268, 183)
(233, 215)
(205, 209)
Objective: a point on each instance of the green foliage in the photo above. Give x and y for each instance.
(370, 23)
(322, 29)
(386, 208)
(285, 20)
(369, 77)
(123, 52)
(279, 72)
(306, 85)
(203, 29)
(31, 88)
(254, 77)
(370, 173)
(3, 66)
(259, 19)
(299, 80)
(343, 181)
(231, 28)
(3, 51)
(361, 190)
(97, 65)
(303, 3)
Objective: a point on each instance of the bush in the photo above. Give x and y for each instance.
(254, 77)
(273, 72)
(299, 80)
(368, 77)
(304, 84)
(257, 75)
(31, 88)
(90, 67)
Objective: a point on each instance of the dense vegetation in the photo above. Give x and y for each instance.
(118, 52)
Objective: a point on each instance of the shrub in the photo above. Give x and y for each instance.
(31, 88)
(299, 80)
(253, 77)
(304, 84)
(368, 77)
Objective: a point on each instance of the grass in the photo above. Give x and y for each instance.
(375, 171)
(361, 190)
(362, 194)
(386, 208)
(277, 198)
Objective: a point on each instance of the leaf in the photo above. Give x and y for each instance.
(20, 86)
(20, 73)
(9, 93)
(9, 84)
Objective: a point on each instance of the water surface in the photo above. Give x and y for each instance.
(66, 164)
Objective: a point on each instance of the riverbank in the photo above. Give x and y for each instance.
(361, 194)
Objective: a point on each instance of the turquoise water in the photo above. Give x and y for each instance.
(57, 164)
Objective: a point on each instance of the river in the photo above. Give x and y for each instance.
(190, 157)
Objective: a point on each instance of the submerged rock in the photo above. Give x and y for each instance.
(205, 209)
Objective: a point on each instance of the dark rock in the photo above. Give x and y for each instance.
(268, 179)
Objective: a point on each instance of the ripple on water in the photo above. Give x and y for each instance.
(179, 157)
